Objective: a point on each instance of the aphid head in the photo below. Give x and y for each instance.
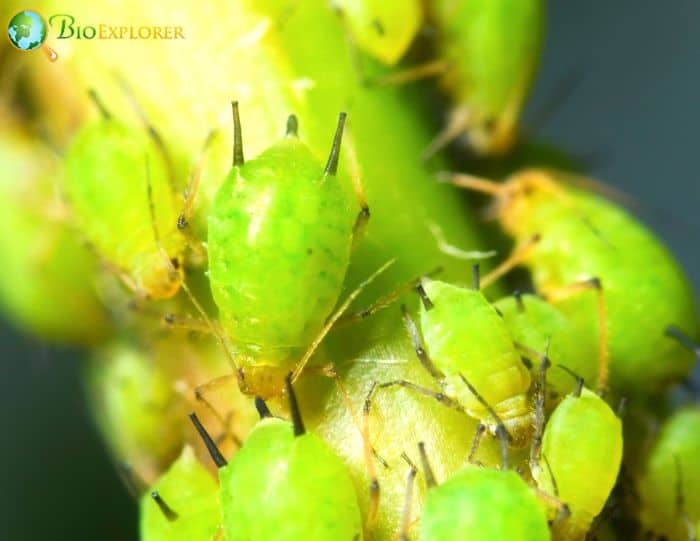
(160, 277)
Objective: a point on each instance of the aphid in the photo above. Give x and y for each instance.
(118, 181)
(669, 485)
(578, 457)
(383, 29)
(534, 323)
(280, 236)
(481, 503)
(466, 346)
(492, 48)
(46, 283)
(183, 505)
(285, 484)
(586, 242)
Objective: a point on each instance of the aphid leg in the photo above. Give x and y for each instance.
(454, 251)
(519, 255)
(355, 54)
(682, 338)
(214, 451)
(478, 434)
(579, 380)
(501, 432)
(219, 535)
(199, 394)
(555, 295)
(262, 409)
(460, 119)
(186, 323)
(167, 511)
(332, 320)
(408, 500)
(432, 68)
(416, 338)
(437, 395)
(356, 175)
(474, 183)
(369, 453)
(135, 486)
(386, 300)
(99, 104)
(540, 397)
(427, 470)
(190, 195)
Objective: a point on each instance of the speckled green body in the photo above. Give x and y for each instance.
(539, 321)
(284, 487)
(585, 236)
(382, 28)
(583, 445)
(464, 334)
(107, 187)
(483, 504)
(190, 491)
(280, 234)
(493, 48)
(679, 439)
(47, 281)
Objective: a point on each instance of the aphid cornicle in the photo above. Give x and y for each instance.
(382, 28)
(587, 241)
(119, 188)
(183, 505)
(280, 237)
(285, 484)
(491, 48)
(578, 458)
(669, 485)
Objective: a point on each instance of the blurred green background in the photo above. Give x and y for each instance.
(633, 114)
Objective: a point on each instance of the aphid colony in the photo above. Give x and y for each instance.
(422, 404)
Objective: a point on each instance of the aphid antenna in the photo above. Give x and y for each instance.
(418, 345)
(476, 277)
(167, 511)
(472, 182)
(192, 189)
(238, 159)
(297, 421)
(262, 409)
(332, 164)
(135, 486)
(579, 380)
(427, 470)
(333, 319)
(682, 338)
(99, 104)
(292, 126)
(427, 303)
(501, 431)
(408, 500)
(478, 435)
(211, 446)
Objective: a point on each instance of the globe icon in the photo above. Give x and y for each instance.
(27, 30)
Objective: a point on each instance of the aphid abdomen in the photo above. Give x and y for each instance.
(583, 447)
(108, 169)
(465, 336)
(279, 246)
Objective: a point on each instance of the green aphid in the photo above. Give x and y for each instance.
(468, 348)
(535, 324)
(579, 459)
(669, 486)
(383, 29)
(47, 281)
(136, 407)
(285, 484)
(480, 504)
(280, 236)
(573, 240)
(492, 49)
(183, 505)
(119, 186)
